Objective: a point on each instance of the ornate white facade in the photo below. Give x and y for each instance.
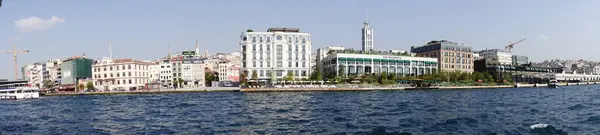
(281, 50)
(120, 74)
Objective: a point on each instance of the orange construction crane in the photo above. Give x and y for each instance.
(511, 45)
(14, 52)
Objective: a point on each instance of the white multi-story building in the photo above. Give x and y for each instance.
(367, 37)
(154, 71)
(33, 73)
(324, 52)
(498, 55)
(280, 50)
(120, 74)
(192, 73)
(166, 72)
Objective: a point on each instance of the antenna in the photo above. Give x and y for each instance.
(366, 15)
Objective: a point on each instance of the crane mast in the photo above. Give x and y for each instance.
(15, 51)
(510, 46)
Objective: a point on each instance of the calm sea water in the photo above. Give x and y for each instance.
(569, 110)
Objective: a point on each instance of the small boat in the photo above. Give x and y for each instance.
(553, 84)
(17, 90)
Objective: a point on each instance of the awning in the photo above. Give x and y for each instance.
(341, 59)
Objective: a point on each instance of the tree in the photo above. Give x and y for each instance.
(392, 76)
(488, 77)
(507, 77)
(90, 86)
(341, 71)
(255, 77)
(466, 77)
(244, 77)
(271, 75)
(319, 76)
(351, 78)
(382, 78)
(181, 81)
(478, 76)
(81, 87)
(175, 82)
(46, 84)
(289, 77)
(249, 30)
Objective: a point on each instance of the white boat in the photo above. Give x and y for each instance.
(18, 90)
(553, 84)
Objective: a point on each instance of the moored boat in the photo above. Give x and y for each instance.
(553, 84)
(17, 90)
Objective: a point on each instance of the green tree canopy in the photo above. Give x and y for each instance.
(90, 85)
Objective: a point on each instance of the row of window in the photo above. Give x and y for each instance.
(386, 63)
(279, 64)
(279, 47)
(462, 49)
(458, 66)
(457, 60)
(279, 56)
(120, 67)
(401, 71)
(267, 39)
(457, 54)
(129, 74)
(123, 81)
(296, 73)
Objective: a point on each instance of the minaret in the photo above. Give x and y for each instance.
(197, 48)
(169, 52)
(367, 35)
(206, 54)
(110, 47)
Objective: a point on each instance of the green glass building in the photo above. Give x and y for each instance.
(73, 70)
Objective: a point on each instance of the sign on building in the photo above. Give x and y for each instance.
(188, 53)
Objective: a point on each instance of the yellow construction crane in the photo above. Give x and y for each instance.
(511, 45)
(14, 51)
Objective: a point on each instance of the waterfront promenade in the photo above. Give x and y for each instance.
(314, 89)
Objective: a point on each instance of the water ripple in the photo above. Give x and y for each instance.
(571, 110)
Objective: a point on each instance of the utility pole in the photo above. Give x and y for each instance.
(14, 51)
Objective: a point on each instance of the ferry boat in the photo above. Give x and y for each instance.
(17, 90)
(553, 84)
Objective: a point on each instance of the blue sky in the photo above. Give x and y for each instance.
(143, 29)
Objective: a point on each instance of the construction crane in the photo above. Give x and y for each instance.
(511, 45)
(15, 52)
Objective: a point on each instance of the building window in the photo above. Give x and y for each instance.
(253, 39)
(128, 66)
(261, 39)
(279, 37)
(104, 68)
(129, 81)
(289, 39)
(268, 39)
(303, 40)
(129, 74)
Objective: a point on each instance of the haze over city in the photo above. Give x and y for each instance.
(144, 30)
